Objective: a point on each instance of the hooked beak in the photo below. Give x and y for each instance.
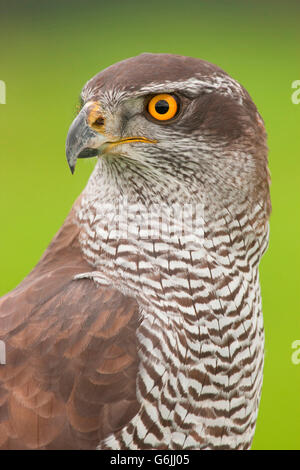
(86, 137)
(82, 140)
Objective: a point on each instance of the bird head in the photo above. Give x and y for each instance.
(181, 122)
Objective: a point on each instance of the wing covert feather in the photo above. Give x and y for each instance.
(69, 377)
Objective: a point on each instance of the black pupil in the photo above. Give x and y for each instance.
(162, 107)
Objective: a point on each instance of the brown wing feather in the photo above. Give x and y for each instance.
(72, 362)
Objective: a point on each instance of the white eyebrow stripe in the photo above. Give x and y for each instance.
(224, 84)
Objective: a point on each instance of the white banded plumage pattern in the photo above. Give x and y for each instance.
(201, 337)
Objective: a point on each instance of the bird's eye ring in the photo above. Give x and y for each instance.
(163, 107)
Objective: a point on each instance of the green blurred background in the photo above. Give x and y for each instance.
(49, 49)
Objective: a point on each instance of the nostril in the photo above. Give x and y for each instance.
(98, 122)
(95, 118)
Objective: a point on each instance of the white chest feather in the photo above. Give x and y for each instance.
(201, 332)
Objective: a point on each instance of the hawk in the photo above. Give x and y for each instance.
(141, 326)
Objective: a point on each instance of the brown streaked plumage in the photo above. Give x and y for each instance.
(122, 338)
(71, 355)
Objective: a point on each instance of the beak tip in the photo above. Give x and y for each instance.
(72, 168)
(71, 165)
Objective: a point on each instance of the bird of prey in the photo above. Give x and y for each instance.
(141, 326)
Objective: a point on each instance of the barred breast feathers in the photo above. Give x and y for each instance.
(201, 332)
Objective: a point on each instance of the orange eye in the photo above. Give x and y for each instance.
(163, 107)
